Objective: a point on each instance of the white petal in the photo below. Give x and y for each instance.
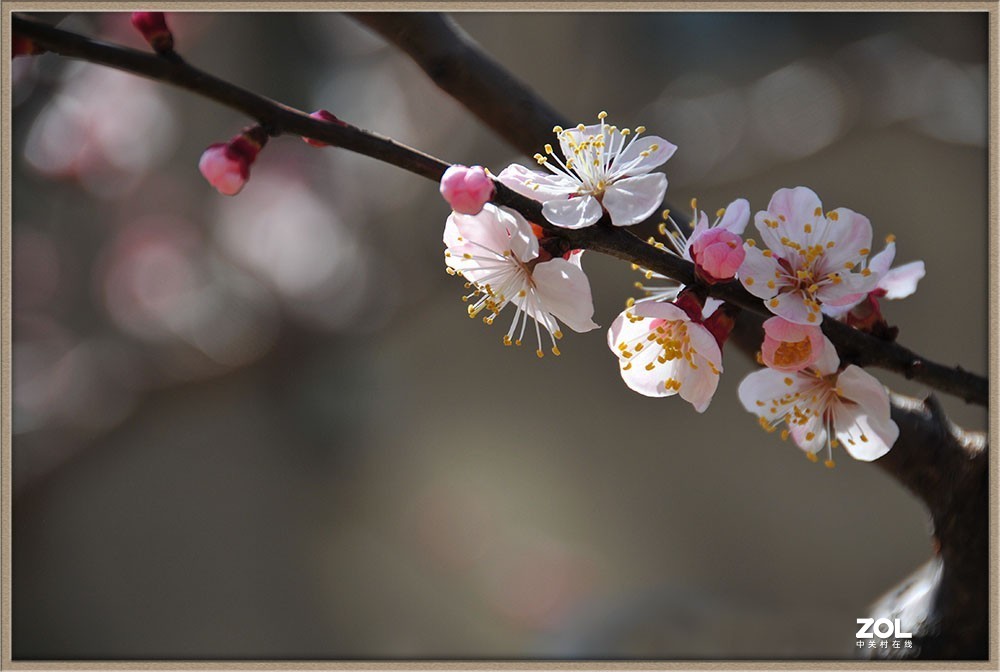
(760, 389)
(573, 213)
(565, 292)
(851, 235)
(829, 360)
(632, 200)
(736, 217)
(865, 390)
(698, 386)
(704, 343)
(792, 307)
(851, 289)
(632, 161)
(757, 270)
(523, 242)
(882, 262)
(798, 205)
(801, 435)
(538, 186)
(880, 438)
(902, 281)
(664, 311)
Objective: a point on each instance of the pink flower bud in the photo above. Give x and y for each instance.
(322, 115)
(466, 189)
(153, 26)
(226, 166)
(789, 346)
(717, 254)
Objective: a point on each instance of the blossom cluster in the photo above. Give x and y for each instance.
(809, 265)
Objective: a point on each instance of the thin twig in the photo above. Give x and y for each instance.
(278, 118)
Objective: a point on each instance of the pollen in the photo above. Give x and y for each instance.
(833, 216)
(808, 228)
(555, 350)
(818, 212)
(812, 457)
(774, 303)
(891, 238)
(749, 281)
(539, 353)
(788, 381)
(829, 464)
(863, 251)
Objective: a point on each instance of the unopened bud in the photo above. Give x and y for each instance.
(153, 26)
(322, 115)
(226, 165)
(467, 189)
(717, 254)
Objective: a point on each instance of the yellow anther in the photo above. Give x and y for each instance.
(539, 353)
(770, 284)
(788, 381)
(557, 129)
(752, 243)
(829, 464)
(866, 272)
(630, 302)
(548, 148)
(774, 303)
(767, 253)
(748, 281)
(558, 334)
(808, 228)
(506, 340)
(581, 127)
(832, 216)
(818, 212)
(720, 212)
(812, 457)
(811, 317)
(891, 238)
(694, 203)
(653, 147)
(640, 129)
(784, 434)
(602, 115)
(666, 214)
(863, 251)
(555, 351)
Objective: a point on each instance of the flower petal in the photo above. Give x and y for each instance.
(902, 281)
(829, 360)
(798, 206)
(759, 390)
(868, 439)
(757, 270)
(851, 236)
(564, 290)
(633, 162)
(698, 386)
(862, 388)
(882, 262)
(632, 200)
(533, 184)
(792, 307)
(736, 217)
(573, 213)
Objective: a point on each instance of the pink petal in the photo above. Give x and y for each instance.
(792, 307)
(736, 217)
(851, 235)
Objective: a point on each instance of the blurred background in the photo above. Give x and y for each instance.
(264, 427)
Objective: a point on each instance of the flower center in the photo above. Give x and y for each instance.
(790, 353)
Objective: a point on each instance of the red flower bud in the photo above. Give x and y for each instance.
(322, 115)
(153, 26)
(22, 46)
(226, 165)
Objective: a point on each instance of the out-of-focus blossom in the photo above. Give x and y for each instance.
(822, 407)
(497, 252)
(606, 169)
(226, 165)
(467, 189)
(153, 26)
(810, 260)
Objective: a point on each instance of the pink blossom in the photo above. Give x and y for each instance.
(322, 115)
(789, 346)
(663, 351)
(466, 189)
(153, 26)
(811, 259)
(823, 407)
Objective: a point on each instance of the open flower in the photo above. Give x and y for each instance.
(790, 347)
(662, 352)
(606, 168)
(893, 283)
(497, 253)
(810, 260)
(823, 408)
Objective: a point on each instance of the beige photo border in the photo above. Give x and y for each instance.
(6, 662)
